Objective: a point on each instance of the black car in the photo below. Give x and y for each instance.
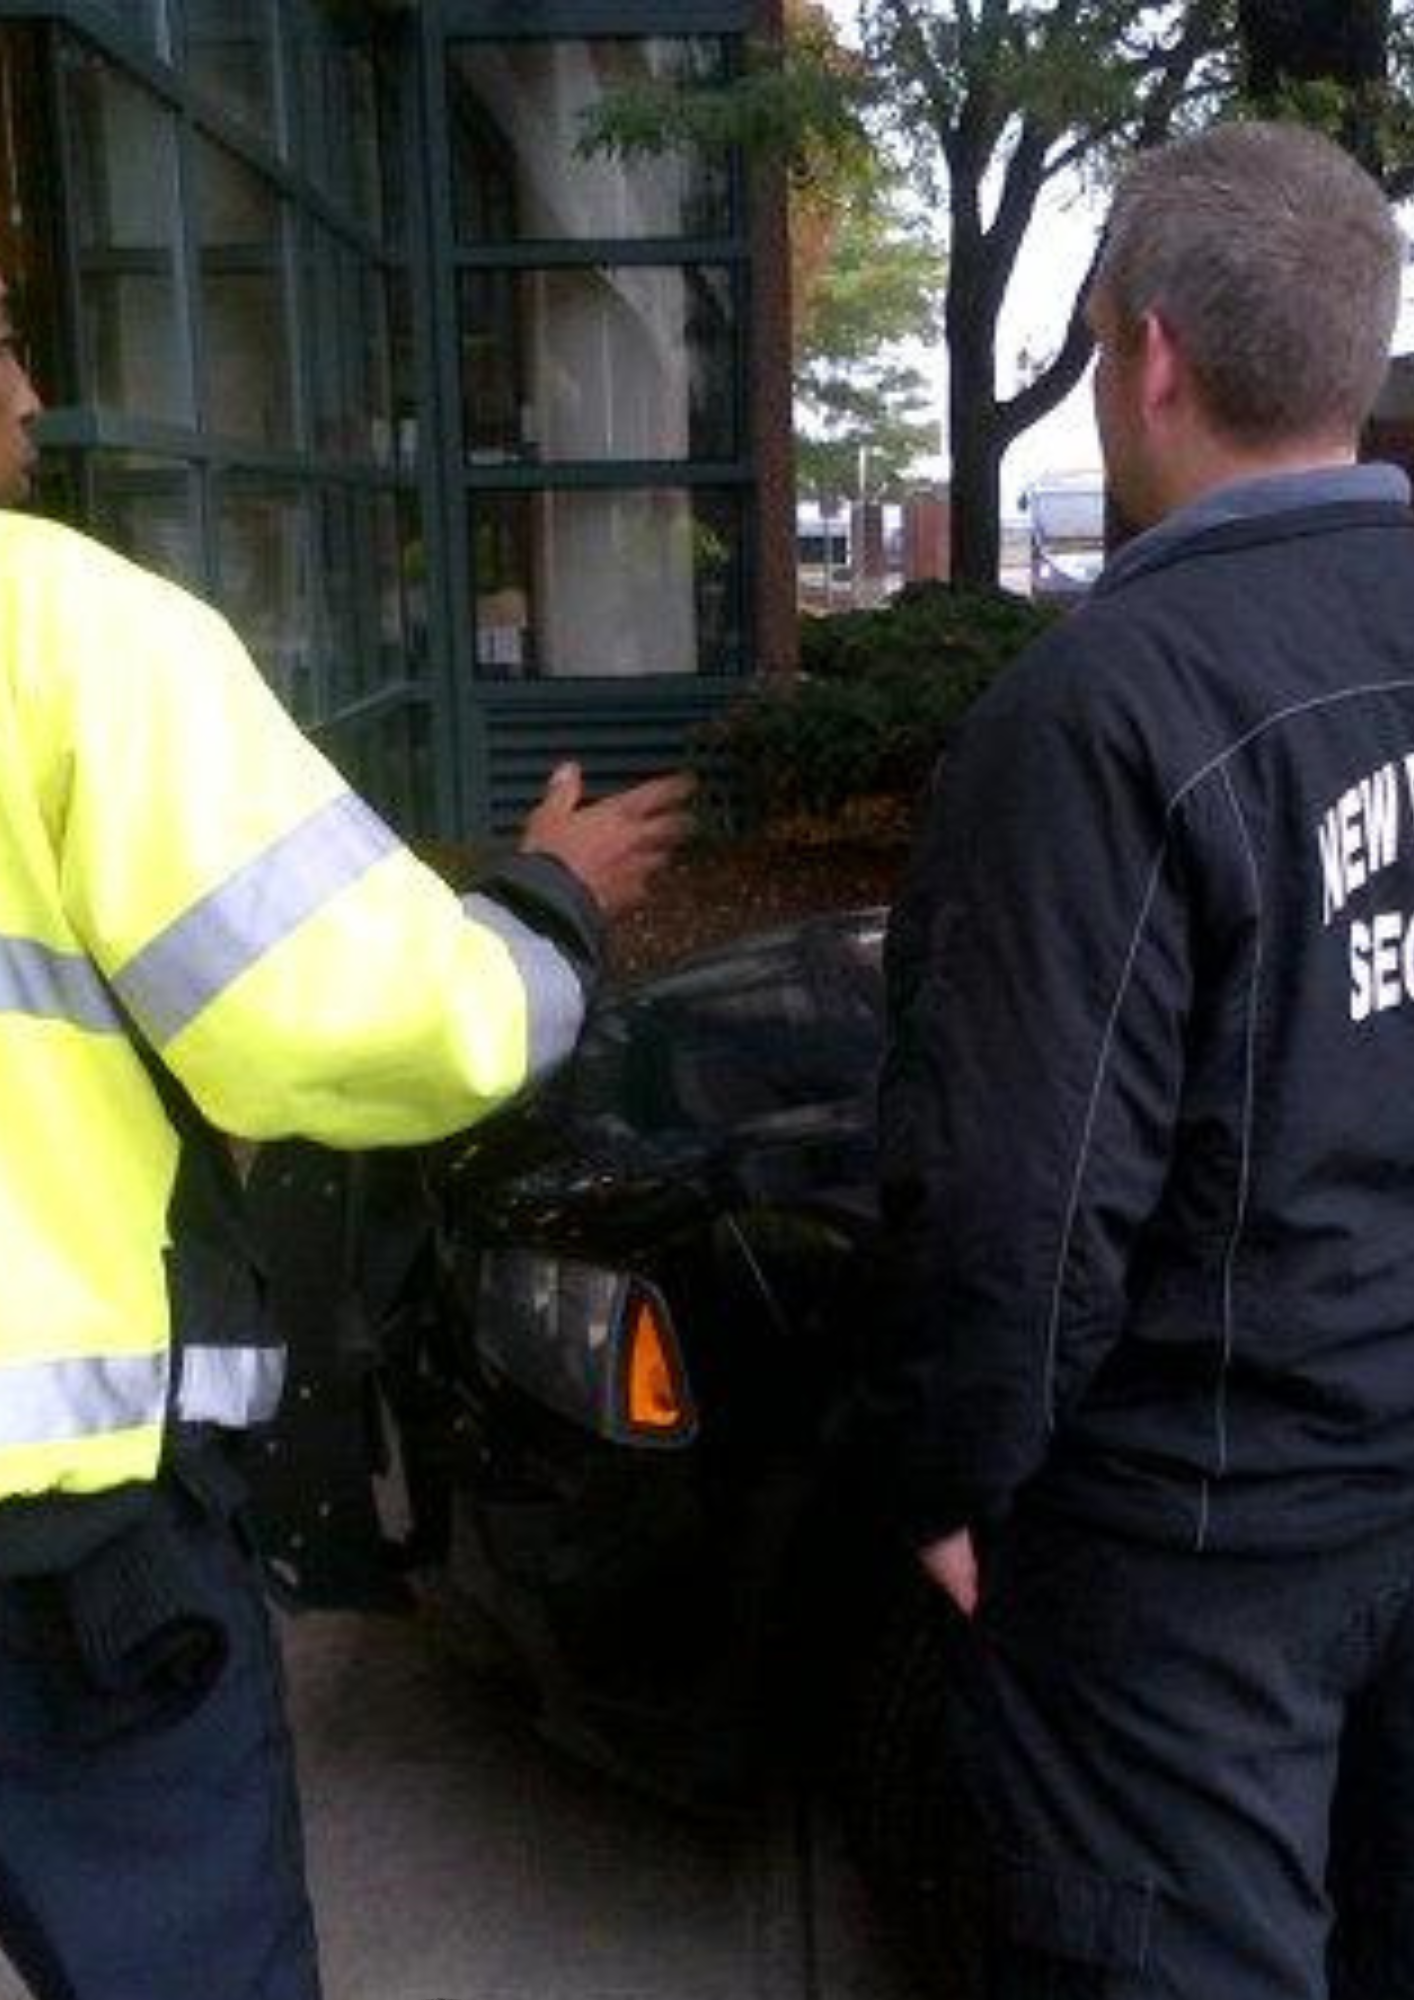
(588, 1377)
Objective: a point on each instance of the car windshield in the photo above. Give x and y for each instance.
(1068, 517)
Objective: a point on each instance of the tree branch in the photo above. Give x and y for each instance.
(1022, 182)
(1174, 68)
(910, 30)
(1060, 376)
(1198, 36)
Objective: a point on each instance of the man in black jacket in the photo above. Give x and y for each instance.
(1148, 1144)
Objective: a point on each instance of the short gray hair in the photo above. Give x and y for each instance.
(1275, 261)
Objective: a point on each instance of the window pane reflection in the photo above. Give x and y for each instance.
(515, 112)
(145, 20)
(351, 351)
(582, 584)
(399, 578)
(143, 506)
(58, 488)
(230, 60)
(389, 759)
(124, 179)
(263, 550)
(246, 342)
(347, 126)
(372, 593)
(633, 362)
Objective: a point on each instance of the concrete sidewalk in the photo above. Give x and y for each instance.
(454, 1856)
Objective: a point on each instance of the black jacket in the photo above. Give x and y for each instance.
(1148, 1110)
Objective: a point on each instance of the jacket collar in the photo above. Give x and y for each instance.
(1255, 500)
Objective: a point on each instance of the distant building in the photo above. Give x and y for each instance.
(853, 555)
(483, 445)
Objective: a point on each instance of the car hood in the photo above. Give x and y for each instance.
(744, 1077)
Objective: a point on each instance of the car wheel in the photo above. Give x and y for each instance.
(909, 1823)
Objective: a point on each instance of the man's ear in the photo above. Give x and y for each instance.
(1163, 371)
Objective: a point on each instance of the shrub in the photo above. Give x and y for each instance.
(878, 696)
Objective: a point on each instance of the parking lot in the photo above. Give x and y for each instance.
(456, 1857)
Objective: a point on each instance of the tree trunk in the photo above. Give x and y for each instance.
(970, 326)
(974, 427)
(976, 475)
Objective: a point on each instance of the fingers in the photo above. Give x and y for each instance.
(661, 794)
(617, 845)
(647, 817)
(564, 791)
(566, 785)
(656, 798)
(952, 1565)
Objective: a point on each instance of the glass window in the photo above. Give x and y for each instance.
(397, 573)
(265, 584)
(516, 110)
(245, 336)
(346, 123)
(627, 362)
(337, 607)
(606, 583)
(146, 507)
(146, 20)
(376, 142)
(351, 351)
(372, 594)
(402, 349)
(58, 488)
(124, 179)
(389, 759)
(230, 61)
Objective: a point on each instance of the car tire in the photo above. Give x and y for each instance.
(908, 1820)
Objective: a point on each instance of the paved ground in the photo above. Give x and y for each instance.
(455, 1857)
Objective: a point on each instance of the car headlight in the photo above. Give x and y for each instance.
(594, 1345)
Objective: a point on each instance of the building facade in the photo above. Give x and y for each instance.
(482, 441)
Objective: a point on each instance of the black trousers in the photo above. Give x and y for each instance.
(150, 1843)
(1192, 1777)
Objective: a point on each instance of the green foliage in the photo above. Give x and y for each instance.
(879, 696)
(1344, 66)
(803, 105)
(983, 104)
(882, 284)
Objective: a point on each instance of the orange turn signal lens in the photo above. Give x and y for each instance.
(655, 1398)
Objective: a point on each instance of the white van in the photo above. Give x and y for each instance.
(1066, 513)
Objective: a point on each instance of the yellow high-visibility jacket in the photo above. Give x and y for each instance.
(175, 854)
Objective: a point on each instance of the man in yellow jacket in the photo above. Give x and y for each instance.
(201, 927)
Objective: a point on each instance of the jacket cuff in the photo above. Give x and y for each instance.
(550, 898)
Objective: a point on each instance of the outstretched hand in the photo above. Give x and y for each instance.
(617, 845)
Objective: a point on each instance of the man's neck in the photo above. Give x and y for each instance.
(1211, 465)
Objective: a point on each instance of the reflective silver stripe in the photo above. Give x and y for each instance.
(233, 1386)
(55, 986)
(46, 1402)
(554, 996)
(196, 958)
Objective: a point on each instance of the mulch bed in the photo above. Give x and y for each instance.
(726, 889)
